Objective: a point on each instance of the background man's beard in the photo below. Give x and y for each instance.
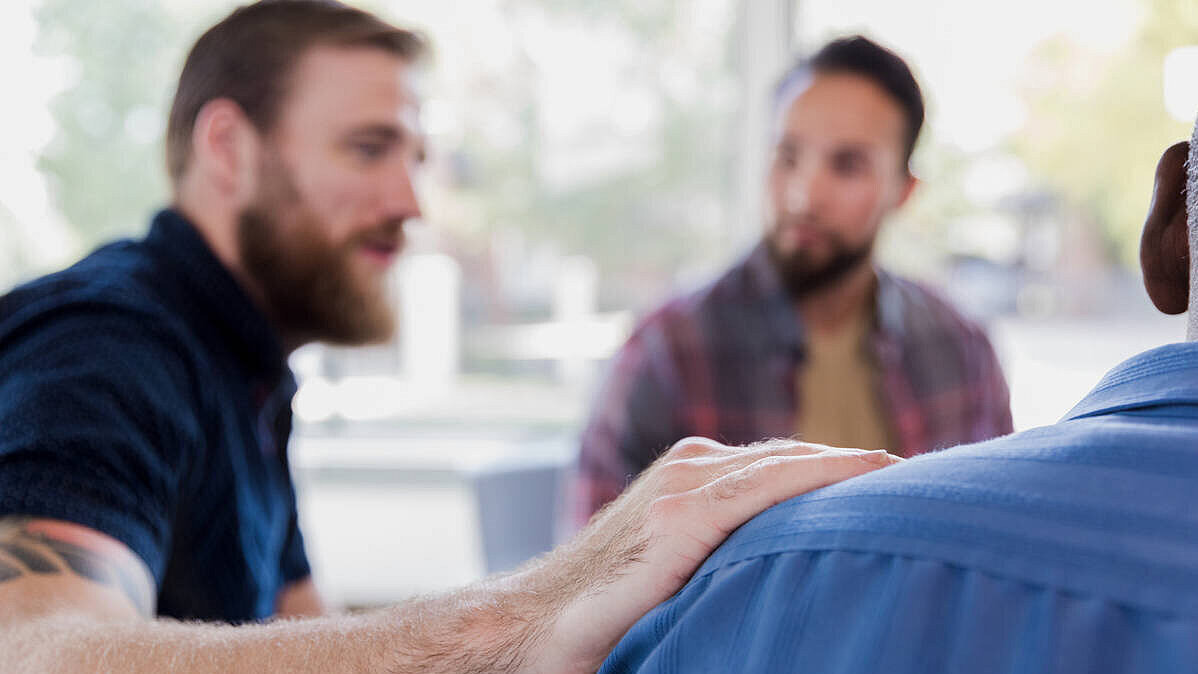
(308, 284)
(802, 277)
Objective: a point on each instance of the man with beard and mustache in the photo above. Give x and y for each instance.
(1071, 548)
(805, 335)
(145, 402)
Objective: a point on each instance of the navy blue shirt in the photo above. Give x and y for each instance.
(142, 394)
(1069, 548)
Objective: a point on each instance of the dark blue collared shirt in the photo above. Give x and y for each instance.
(1068, 548)
(142, 394)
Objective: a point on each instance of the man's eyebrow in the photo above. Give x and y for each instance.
(853, 146)
(384, 132)
(852, 150)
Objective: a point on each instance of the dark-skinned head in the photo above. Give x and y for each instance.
(1171, 233)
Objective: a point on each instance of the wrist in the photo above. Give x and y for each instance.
(572, 645)
(587, 618)
(502, 624)
(556, 603)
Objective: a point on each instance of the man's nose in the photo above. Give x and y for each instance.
(803, 189)
(400, 201)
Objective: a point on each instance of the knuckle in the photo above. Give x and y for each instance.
(751, 477)
(839, 466)
(761, 468)
(682, 475)
(771, 462)
(691, 448)
(732, 485)
(777, 445)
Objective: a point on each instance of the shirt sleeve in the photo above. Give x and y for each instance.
(97, 424)
(294, 563)
(634, 420)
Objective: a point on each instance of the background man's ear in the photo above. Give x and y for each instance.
(1165, 243)
(225, 148)
(908, 189)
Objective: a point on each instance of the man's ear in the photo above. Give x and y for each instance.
(907, 190)
(226, 147)
(1165, 243)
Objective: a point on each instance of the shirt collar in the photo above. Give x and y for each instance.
(780, 311)
(218, 300)
(889, 305)
(1166, 375)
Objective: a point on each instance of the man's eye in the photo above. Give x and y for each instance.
(370, 151)
(848, 164)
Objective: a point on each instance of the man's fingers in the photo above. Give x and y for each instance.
(739, 495)
(691, 465)
(699, 468)
(704, 448)
(753, 453)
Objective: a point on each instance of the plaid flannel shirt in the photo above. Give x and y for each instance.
(723, 362)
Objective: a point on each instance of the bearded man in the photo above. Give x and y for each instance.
(145, 401)
(806, 335)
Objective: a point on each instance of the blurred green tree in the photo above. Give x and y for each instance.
(104, 165)
(648, 218)
(1097, 123)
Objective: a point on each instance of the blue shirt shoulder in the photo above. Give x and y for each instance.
(1070, 548)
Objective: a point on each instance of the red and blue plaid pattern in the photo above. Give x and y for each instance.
(723, 363)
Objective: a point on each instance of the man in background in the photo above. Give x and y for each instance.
(1071, 548)
(145, 401)
(806, 335)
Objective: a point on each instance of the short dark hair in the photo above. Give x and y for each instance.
(858, 55)
(249, 56)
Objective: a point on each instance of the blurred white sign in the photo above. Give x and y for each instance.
(1181, 84)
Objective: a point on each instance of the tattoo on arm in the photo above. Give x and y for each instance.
(26, 549)
(8, 571)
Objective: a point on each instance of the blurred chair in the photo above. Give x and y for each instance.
(517, 506)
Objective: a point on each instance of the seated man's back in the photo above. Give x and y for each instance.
(1069, 548)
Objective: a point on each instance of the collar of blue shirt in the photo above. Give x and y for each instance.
(1166, 375)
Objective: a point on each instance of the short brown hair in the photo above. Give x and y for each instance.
(249, 56)
(860, 56)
